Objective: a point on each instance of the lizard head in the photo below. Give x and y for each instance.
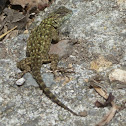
(60, 15)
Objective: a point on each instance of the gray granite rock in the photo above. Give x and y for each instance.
(98, 26)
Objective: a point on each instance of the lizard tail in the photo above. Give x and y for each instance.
(48, 93)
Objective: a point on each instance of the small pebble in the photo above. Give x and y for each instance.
(20, 81)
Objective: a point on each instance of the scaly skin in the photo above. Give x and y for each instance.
(38, 46)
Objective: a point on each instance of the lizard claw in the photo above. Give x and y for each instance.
(64, 71)
(19, 75)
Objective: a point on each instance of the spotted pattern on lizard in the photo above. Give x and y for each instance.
(38, 46)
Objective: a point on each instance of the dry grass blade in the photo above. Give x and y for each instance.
(7, 32)
(101, 92)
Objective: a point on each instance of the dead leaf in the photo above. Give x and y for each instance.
(24, 3)
(43, 4)
(2, 5)
(30, 4)
(13, 18)
(108, 101)
(12, 15)
(110, 98)
(98, 104)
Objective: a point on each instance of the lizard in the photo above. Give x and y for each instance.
(37, 52)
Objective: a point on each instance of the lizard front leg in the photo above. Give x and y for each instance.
(54, 58)
(24, 65)
(55, 36)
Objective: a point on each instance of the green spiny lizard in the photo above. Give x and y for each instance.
(38, 46)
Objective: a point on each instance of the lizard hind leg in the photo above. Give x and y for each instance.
(54, 58)
(24, 65)
(54, 62)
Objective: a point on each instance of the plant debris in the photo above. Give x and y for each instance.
(108, 101)
(109, 116)
(29, 5)
(96, 84)
(2, 5)
(11, 19)
(19, 13)
(1, 36)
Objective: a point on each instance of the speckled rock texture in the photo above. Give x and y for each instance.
(99, 29)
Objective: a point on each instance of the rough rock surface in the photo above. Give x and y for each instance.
(99, 27)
